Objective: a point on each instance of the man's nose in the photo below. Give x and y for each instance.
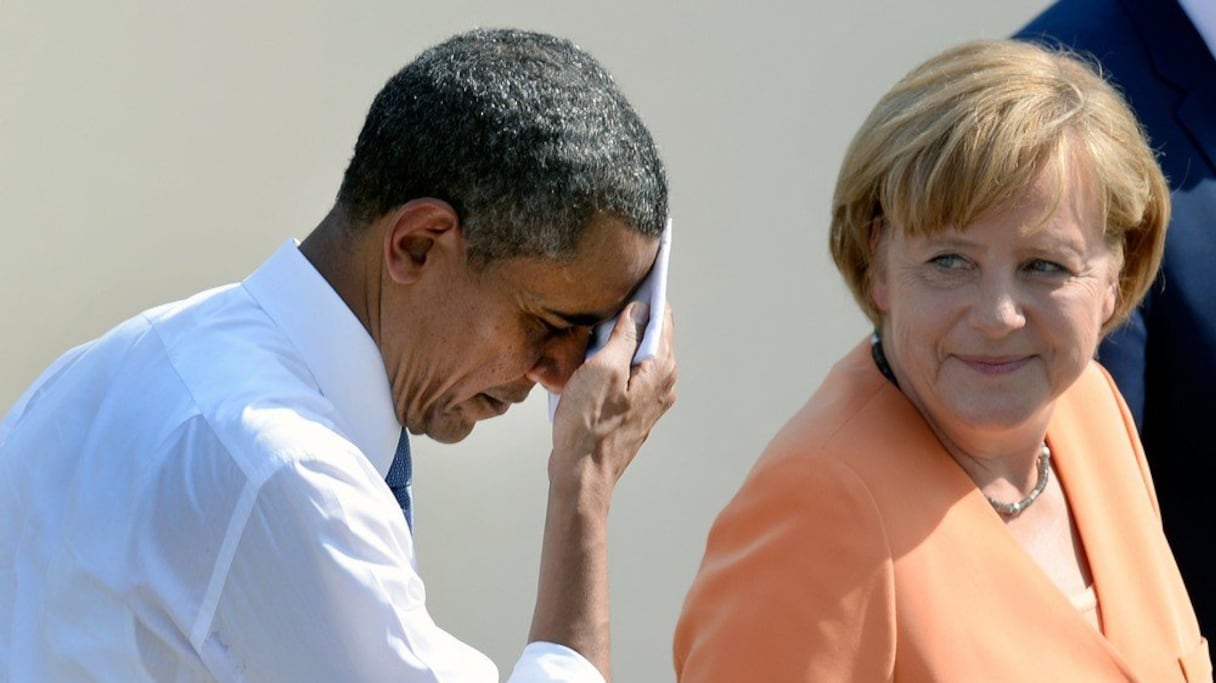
(559, 358)
(998, 310)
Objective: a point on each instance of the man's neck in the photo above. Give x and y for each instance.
(343, 259)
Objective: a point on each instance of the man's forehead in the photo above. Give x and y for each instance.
(596, 283)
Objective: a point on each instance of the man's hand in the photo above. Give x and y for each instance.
(607, 410)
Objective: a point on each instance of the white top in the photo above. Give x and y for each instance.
(1086, 604)
(199, 495)
(1202, 14)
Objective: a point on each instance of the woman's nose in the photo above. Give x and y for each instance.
(998, 309)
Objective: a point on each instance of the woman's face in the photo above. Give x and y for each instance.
(986, 326)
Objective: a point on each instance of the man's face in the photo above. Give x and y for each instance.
(483, 338)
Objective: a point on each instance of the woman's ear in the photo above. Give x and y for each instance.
(1109, 300)
(418, 232)
(876, 274)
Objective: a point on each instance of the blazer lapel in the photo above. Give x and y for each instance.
(1045, 603)
(1116, 521)
(1181, 57)
(1008, 585)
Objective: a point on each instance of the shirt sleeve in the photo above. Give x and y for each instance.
(796, 584)
(544, 662)
(319, 585)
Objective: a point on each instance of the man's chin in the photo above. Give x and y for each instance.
(450, 431)
(455, 425)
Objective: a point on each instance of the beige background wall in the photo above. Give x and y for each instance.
(152, 149)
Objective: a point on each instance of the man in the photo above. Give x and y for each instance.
(200, 493)
(1161, 54)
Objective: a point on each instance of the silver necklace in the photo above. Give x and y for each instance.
(1015, 509)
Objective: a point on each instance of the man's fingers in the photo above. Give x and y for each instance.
(660, 369)
(669, 331)
(623, 342)
(639, 314)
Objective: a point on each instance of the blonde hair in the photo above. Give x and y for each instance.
(968, 131)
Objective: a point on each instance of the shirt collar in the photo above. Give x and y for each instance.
(1203, 17)
(343, 358)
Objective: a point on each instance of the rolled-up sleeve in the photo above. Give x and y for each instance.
(543, 662)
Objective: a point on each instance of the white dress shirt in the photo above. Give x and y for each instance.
(1202, 14)
(199, 495)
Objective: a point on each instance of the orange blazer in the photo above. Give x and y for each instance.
(859, 550)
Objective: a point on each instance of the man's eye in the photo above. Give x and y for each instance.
(555, 330)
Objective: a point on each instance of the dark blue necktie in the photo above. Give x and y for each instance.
(399, 476)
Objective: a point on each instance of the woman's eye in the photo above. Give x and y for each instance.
(1043, 266)
(949, 261)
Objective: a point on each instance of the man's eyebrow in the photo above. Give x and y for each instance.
(578, 319)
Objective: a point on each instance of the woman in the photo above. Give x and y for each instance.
(965, 497)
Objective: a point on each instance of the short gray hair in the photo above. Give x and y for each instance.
(523, 133)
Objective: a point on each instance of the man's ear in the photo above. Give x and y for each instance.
(418, 232)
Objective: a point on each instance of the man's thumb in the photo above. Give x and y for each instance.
(630, 325)
(639, 315)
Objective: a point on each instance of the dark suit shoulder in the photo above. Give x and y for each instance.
(1082, 24)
